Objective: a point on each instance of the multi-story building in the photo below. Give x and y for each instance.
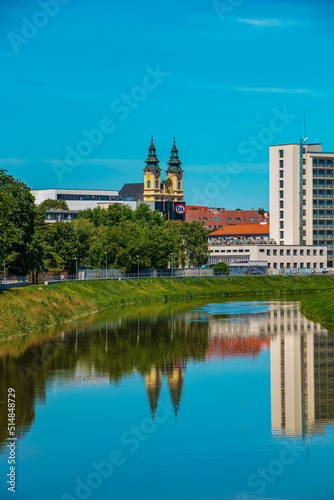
(302, 196)
(80, 199)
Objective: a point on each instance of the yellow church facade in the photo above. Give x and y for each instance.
(169, 189)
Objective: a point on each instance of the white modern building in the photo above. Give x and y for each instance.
(277, 256)
(80, 199)
(302, 196)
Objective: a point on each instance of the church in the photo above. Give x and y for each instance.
(164, 195)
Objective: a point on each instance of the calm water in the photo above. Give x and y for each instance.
(192, 401)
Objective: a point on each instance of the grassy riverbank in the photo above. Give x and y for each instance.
(24, 310)
(319, 308)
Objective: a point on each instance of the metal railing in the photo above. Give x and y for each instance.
(14, 279)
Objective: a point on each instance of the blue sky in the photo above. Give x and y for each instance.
(226, 78)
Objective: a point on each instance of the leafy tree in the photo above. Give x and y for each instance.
(261, 211)
(19, 235)
(221, 268)
(62, 246)
(53, 204)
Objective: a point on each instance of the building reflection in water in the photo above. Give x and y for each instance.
(302, 374)
(174, 372)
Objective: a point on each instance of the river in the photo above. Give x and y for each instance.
(194, 400)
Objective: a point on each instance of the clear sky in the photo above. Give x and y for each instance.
(226, 78)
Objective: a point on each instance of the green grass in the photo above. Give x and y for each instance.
(24, 310)
(319, 307)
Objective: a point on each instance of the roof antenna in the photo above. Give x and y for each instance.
(305, 136)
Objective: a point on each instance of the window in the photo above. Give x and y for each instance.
(281, 164)
(308, 252)
(191, 218)
(281, 252)
(281, 184)
(281, 265)
(295, 252)
(295, 265)
(205, 218)
(321, 252)
(179, 185)
(199, 218)
(281, 174)
(229, 218)
(301, 252)
(288, 265)
(302, 265)
(288, 252)
(156, 184)
(314, 265)
(148, 184)
(211, 218)
(245, 218)
(281, 153)
(281, 235)
(268, 252)
(281, 204)
(304, 222)
(261, 250)
(275, 265)
(314, 252)
(252, 218)
(304, 161)
(304, 182)
(308, 265)
(304, 192)
(321, 265)
(238, 218)
(274, 252)
(281, 224)
(241, 251)
(304, 171)
(217, 218)
(281, 194)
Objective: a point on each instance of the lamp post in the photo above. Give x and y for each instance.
(76, 267)
(172, 264)
(138, 266)
(106, 264)
(4, 270)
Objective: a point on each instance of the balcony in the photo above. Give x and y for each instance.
(323, 216)
(322, 196)
(323, 226)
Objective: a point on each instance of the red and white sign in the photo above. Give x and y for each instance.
(180, 209)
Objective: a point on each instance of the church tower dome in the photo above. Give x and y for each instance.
(152, 172)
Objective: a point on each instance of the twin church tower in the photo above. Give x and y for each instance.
(171, 188)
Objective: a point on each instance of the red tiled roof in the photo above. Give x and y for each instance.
(243, 230)
(212, 219)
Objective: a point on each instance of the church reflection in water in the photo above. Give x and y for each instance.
(158, 348)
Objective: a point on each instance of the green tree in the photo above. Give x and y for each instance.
(20, 229)
(221, 268)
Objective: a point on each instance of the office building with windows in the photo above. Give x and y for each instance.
(302, 196)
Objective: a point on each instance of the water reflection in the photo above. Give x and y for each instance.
(158, 345)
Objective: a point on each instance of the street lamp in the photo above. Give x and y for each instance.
(172, 264)
(138, 265)
(76, 267)
(106, 253)
(4, 270)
